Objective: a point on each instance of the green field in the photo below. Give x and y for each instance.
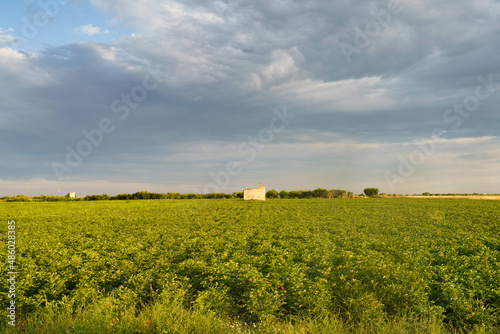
(228, 266)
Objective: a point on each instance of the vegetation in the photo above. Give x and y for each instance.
(298, 266)
(320, 193)
(283, 194)
(317, 193)
(18, 198)
(272, 194)
(371, 192)
(456, 194)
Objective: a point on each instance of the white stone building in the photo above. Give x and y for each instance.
(256, 194)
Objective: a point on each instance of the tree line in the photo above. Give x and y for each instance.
(317, 193)
(283, 194)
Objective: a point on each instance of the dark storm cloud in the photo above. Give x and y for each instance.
(226, 64)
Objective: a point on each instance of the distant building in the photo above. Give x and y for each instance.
(72, 195)
(256, 194)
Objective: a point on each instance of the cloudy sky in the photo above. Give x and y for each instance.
(113, 96)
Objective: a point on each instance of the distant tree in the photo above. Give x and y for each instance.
(272, 194)
(217, 196)
(18, 198)
(238, 194)
(300, 194)
(283, 194)
(49, 198)
(103, 197)
(371, 191)
(320, 193)
(123, 196)
(140, 195)
(336, 193)
(306, 193)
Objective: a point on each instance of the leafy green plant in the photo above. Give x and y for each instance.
(404, 265)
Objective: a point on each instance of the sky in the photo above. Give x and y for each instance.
(120, 96)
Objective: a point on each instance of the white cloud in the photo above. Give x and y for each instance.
(147, 16)
(5, 38)
(366, 93)
(90, 30)
(18, 69)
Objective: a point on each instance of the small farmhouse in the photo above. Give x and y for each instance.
(72, 195)
(257, 194)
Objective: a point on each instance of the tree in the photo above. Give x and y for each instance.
(283, 194)
(300, 194)
(272, 194)
(320, 193)
(336, 193)
(371, 191)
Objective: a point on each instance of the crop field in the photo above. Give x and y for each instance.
(395, 265)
